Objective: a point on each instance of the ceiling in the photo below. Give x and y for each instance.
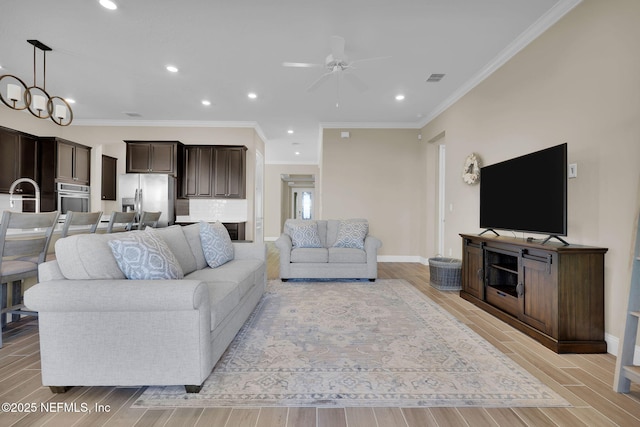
(113, 62)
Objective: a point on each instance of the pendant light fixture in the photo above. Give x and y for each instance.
(16, 95)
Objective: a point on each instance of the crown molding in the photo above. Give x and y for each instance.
(369, 125)
(545, 22)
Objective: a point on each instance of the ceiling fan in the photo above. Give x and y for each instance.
(336, 63)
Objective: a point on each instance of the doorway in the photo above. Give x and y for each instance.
(302, 203)
(298, 197)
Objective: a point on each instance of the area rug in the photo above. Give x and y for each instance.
(382, 344)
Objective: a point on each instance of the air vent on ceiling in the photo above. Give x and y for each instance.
(434, 78)
(132, 114)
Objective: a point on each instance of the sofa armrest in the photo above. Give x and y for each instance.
(49, 270)
(371, 245)
(117, 295)
(250, 251)
(285, 245)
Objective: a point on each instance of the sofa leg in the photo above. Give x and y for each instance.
(193, 388)
(285, 280)
(372, 280)
(59, 389)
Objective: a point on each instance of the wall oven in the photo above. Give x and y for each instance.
(73, 197)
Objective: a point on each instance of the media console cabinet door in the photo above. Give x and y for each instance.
(473, 270)
(539, 300)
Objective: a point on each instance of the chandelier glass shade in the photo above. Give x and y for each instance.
(15, 94)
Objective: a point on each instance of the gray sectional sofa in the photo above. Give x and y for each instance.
(99, 329)
(328, 249)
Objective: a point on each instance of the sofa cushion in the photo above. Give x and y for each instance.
(192, 234)
(347, 255)
(87, 256)
(216, 243)
(309, 255)
(321, 224)
(145, 256)
(224, 297)
(305, 235)
(351, 234)
(177, 242)
(242, 272)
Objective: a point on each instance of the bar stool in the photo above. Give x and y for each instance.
(77, 219)
(120, 221)
(149, 219)
(24, 241)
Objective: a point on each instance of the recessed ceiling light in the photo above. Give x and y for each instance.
(70, 100)
(297, 153)
(290, 131)
(252, 95)
(172, 68)
(108, 4)
(205, 102)
(399, 97)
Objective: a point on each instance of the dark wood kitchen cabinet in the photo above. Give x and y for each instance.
(74, 163)
(18, 159)
(109, 176)
(229, 170)
(198, 179)
(553, 293)
(61, 161)
(155, 157)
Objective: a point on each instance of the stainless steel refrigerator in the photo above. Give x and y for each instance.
(151, 192)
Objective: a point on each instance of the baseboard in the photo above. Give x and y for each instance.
(612, 348)
(398, 258)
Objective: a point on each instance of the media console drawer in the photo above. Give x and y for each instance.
(503, 300)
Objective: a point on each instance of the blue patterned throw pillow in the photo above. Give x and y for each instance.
(216, 243)
(144, 256)
(351, 234)
(305, 235)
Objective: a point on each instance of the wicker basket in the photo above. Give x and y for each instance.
(445, 273)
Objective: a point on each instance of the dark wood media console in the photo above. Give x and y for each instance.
(551, 292)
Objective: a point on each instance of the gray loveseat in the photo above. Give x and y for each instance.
(339, 249)
(99, 329)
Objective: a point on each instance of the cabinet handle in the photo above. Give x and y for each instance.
(479, 274)
(520, 290)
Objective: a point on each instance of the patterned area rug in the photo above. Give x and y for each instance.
(358, 344)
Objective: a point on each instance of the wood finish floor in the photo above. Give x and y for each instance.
(583, 380)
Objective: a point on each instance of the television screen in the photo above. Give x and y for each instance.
(527, 193)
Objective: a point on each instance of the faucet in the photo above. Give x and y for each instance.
(36, 197)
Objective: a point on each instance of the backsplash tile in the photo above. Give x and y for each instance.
(223, 210)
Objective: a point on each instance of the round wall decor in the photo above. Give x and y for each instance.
(471, 171)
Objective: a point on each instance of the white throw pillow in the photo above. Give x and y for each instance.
(305, 235)
(216, 243)
(145, 256)
(351, 234)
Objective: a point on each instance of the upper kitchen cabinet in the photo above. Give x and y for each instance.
(74, 163)
(154, 157)
(229, 170)
(198, 178)
(61, 161)
(18, 159)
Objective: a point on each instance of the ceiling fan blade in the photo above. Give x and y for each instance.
(356, 82)
(300, 64)
(337, 48)
(377, 58)
(323, 78)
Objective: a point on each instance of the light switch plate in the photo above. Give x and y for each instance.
(573, 170)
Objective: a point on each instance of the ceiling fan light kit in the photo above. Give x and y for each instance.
(34, 98)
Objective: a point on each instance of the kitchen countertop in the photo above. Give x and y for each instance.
(191, 219)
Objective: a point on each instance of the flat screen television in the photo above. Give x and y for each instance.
(527, 193)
